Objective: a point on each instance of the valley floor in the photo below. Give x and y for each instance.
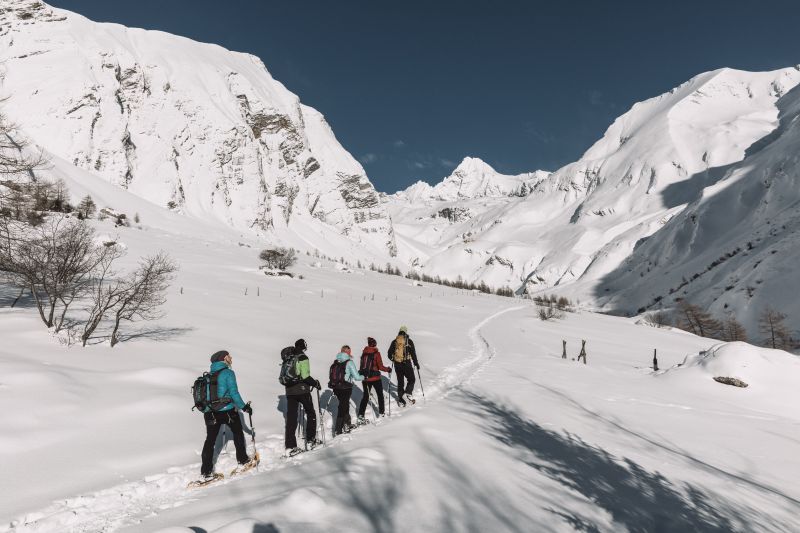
(510, 436)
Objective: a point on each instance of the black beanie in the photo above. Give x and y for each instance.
(371, 342)
(300, 345)
(219, 356)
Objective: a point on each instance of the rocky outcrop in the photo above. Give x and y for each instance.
(186, 125)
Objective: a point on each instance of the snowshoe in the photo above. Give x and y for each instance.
(206, 480)
(249, 465)
(292, 452)
(411, 399)
(314, 443)
(361, 421)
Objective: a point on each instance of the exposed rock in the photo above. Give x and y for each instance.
(730, 381)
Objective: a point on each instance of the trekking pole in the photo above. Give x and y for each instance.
(253, 438)
(419, 375)
(321, 419)
(389, 389)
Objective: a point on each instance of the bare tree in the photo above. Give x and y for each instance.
(106, 292)
(279, 258)
(732, 330)
(658, 319)
(772, 325)
(143, 292)
(55, 261)
(13, 157)
(693, 319)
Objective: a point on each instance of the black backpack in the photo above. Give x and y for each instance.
(204, 393)
(336, 376)
(288, 376)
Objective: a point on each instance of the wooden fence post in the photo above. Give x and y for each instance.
(583, 352)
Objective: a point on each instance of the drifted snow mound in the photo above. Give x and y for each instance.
(193, 126)
(772, 375)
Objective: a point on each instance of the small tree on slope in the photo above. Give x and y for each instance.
(772, 325)
(693, 319)
(732, 330)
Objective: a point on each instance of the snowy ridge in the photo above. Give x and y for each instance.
(575, 229)
(183, 124)
(472, 179)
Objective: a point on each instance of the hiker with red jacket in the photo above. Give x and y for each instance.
(371, 368)
(403, 354)
(342, 375)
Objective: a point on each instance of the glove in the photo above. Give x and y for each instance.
(317, 384)
(416, 366)
(248, 409)
(390, 371)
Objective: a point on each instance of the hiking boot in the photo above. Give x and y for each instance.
(313, 443)
(360, 421)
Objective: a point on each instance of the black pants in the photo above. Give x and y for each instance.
(214, 422)
(405, 372)
(378, 386)
(343, 413)
(292, 401)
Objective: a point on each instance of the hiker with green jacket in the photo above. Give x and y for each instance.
(298, 392)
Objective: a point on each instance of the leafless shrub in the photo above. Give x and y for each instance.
(658, 319)
(278, 258)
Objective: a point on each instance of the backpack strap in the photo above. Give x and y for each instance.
(214, 400)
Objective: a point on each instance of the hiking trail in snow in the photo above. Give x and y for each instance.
(133, 502)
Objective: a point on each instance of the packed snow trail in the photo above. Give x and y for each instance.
(129, 503)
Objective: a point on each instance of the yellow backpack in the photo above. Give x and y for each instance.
(399, 354)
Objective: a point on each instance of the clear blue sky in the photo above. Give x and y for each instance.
(412, 87)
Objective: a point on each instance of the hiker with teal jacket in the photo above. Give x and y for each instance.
(224, 411)
(343, 374)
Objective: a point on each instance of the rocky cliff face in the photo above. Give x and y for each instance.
(186, 125)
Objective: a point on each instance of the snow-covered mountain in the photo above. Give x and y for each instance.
(642, 180)
(472, 178)
(429, 218)
(203, 130)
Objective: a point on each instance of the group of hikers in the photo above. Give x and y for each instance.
(223, 397)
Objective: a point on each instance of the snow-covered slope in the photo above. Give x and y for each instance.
(735, 248)
(183, 124)
(582, 221)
